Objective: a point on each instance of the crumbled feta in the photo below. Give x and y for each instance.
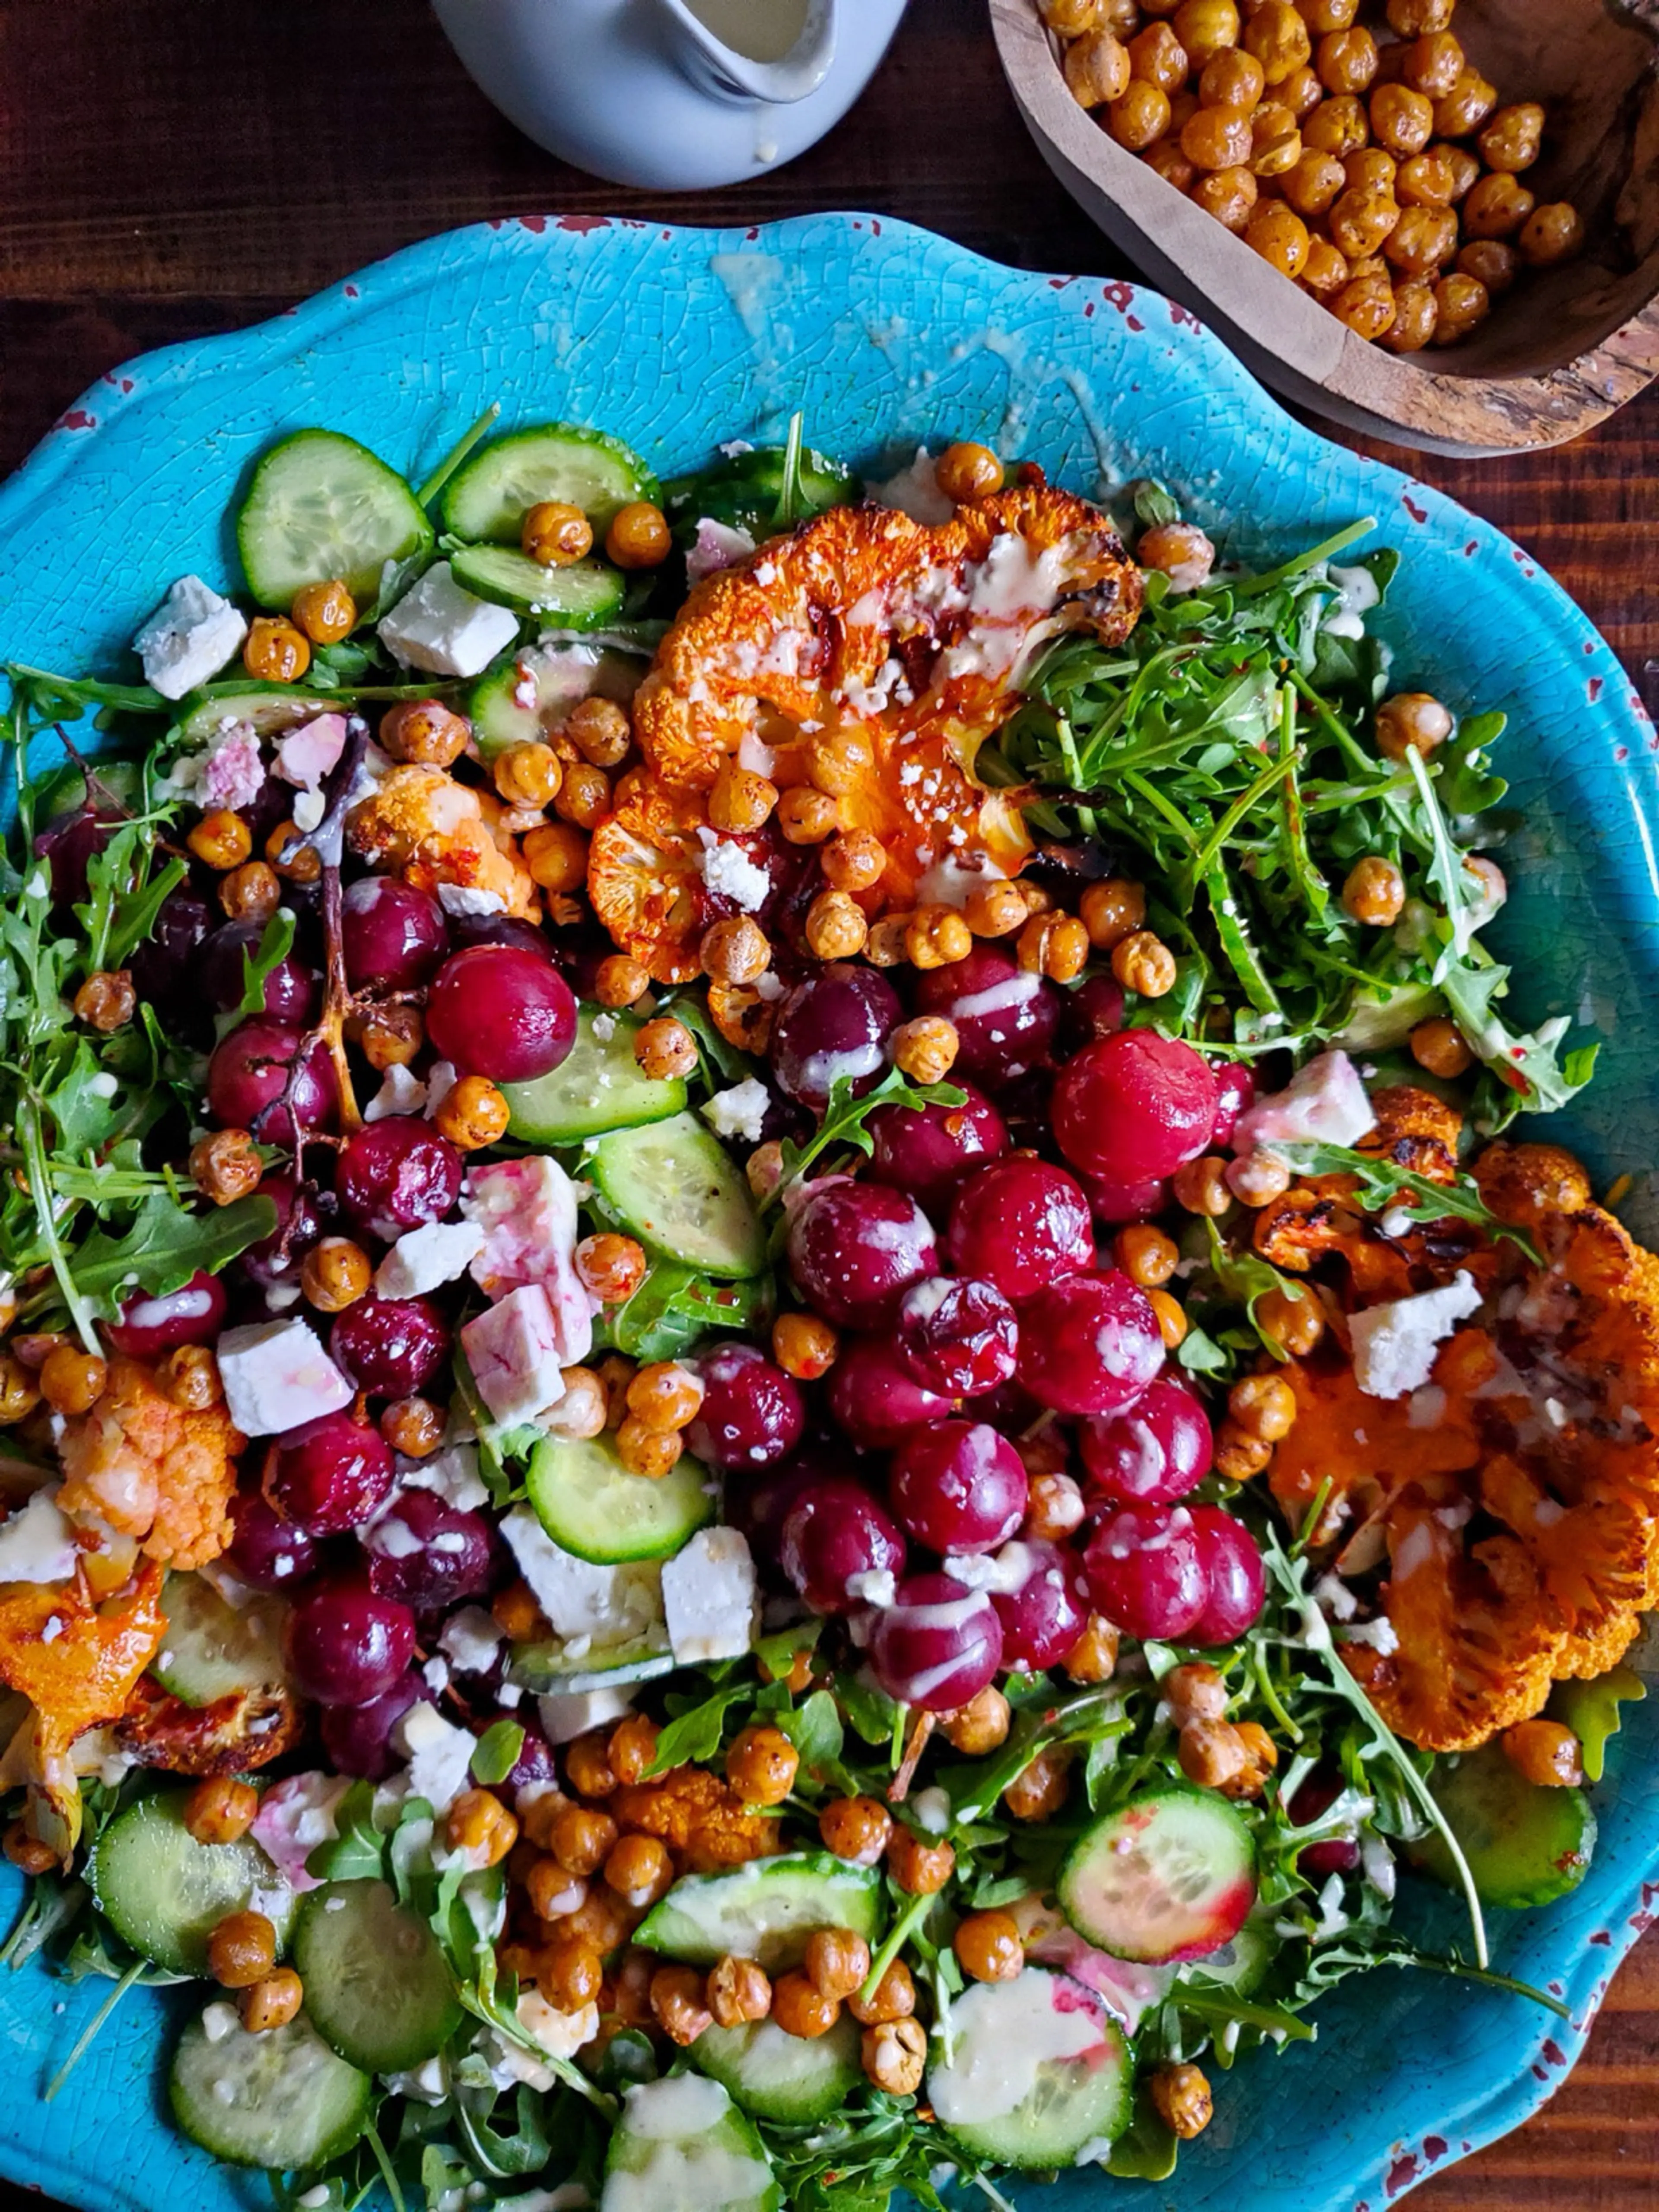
(717, 545)
(741, 1111)
(462, 900)
(445, 631)
(435, 1675)
(560, 2034)
(440, 1755)
(1324, 1103)
(513, 1352)
(189, 638)
(424, 1259)
(295, 1816)
(309, 808)
(37, 1544)
(427, 2084)
(1378, 1633)
(873, 1586)
(276, 1376)
(708, 1594)
(730, 873)
(440, 1079)
(470, 1640)
(573, 1712)
(526, 1210)
(219, 2020)
(400, 1093)
(1395, 1343)
(612, 1605)
(452, 1474)
(604, 1028)
(306, 756)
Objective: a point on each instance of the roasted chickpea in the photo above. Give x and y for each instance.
(761, 1764)
(1546, 1753)
(633, 1748)
(528, 776)
(568, 1974)
(1466, 171)
(664, 1049)
(639, 536)
(1070, 19)
(1291, 1317)
(1194, 1691)
(1217, 138)
(980, 1726)
(1232, 78)
(1411, 722)
(806, 816)
(1414, 316)
(1264, 1407)
(894, 1997)
(480, 1825)
(1336, 126)
(1181, 2096)
(221, 840)
(1206, 28)
(1144, 963)
(738, 1991)
(837, 1961)
(1141, 116)
(1275, 141)
(1427, 180)
(1511, 140)
(1401, 120)
(424, 733)
(919, 1865)
(587, 1764)
(1301, 91)
(1375, 892)
(677, 2000)
(1465, 107)
(995, 908)
(640, 1870)
(894, 2055)
(1054, 1507)
(1097, 70)
(644, 1450)
(1164, 154)
(1278, 39)
(989, 1948)
(241, 1950)
(1258, 1178)
(612, 1266)
(835, 925)
(1200, 1186)
(1422, 241)
(557, 857)
(274, 651)
(855, 1828)
(1183, 105)
(1323, 16)
(1438, 1044)
(801, 2010)
(1433, 65)
(1497, 207)
(925, 1050)
(324, 613)
(935, 936)
(251, 893)
(1212, 1754)
(1158, 56)
(272, 2002)
(1554, 232)
(1312, 185)
(600, 730)
(1171, 1317)
(804, 1345)
(1370, 169)
(474, 1113)
(1279, 234)
(1360, 220)
(1491, 263)
(1416, 19)
(620, 980)
(1346, 61)
(555, 534)
(1039, 1792)
(1112, 910)
(1326, 271)
(1093, 1657)
(220, 1810)
(1146, 1255)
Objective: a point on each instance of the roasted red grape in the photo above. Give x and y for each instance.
(332, 1475)
(958, 1336)
(1020, 1224)
(873, 1396)
(752, 1413)
(855, 1248)
(148, 1326)
(501, 1013)
(835, 1536)
(396, 1174)
(834, 1025)
(1134, 1106)
(1042, 1616)
(1231, 1560)
(249, 1073)
(1089, 1344)
(394, 935)
(958, 1486)
(937, 1645)
(1005, 1018)
(1154, 1452)
(389, 1347)
(1145, 1571)
(345, 1645)
(928, 1149)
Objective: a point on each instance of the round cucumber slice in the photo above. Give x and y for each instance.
(1168, 1876)
(525, 698)
(764, 1910)
(165, 1893)
(376, 1984)
(1525, 1846)
(548, 1670)
(587, 595)
(322, 505)
(591, 1504)
(281, 2099)
(264, 711)
(776, 2076)
(1039, 2076)
(681, 1193)
(683, 2145)
(600, 1085)
(211, 1649)
(489, 495)
(1238, 1965)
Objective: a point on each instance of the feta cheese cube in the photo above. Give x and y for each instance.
(526, 1210)
(1395, 1343)
(189, 638)
(295, 1816)
(37, 1544)
(306, 756)
(470, 1640)
(708, 1594)
(572, 1713)
(514, 1355)
(611, 1605)
(440, 1755)
(400, 1093)
(424, 1259)
(1324, 1103)
(446, 631)
(741, 1111)
(468, 899)
(276, 1376)
(452, 1474)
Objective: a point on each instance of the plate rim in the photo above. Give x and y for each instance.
(1387, 2174)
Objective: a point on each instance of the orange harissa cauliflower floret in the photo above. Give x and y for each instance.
(1516, 1499)
(434, 830)
(151, 1470)
(866, 656)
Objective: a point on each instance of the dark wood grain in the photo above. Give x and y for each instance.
(172, 168)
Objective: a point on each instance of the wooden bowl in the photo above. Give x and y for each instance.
(1556, 355)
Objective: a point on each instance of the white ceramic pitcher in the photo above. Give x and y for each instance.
(644, 92)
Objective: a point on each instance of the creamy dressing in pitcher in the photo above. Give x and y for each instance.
(760, 30)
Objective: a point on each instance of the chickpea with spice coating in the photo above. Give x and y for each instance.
(1232, 78)
(225, 1166)
(1158, 56)
(640, 1870)
(272, 2002)
(1491, 262)
(1301, 92)
(1206, 28)
(1311, 185)
(1217, 138)
(335, 1273)
(664, 1394)
(220, 1810)
(738, 1991)
(993, 908)
(241, 1950)
(894, 1997)
(855, 1828)
(1325, 271)
(836, 928)
(837, 1961)
(806, 816)
(644, 1450)
(925, 1049)
(1375, 892)
(1552, 232)
(980, 1726)
(530, 775)
(1466, 107)
(478, 1824)
(1200, 1186)
(274, 651)
(1097, 68)
(1412, 722)
(761, 1766)
(568, 1974)
(1070, 19)
(1170, 1317)
(639, 536)
(474, 1113)
(1112, 910)
(1258, 1178)
(1139, 118)
(1146, 1255)
(251, 893)
(611, 1266)
(189, 1378)
(1414, 318)
(1145, 964)
(919, 1865)
(413, 1426)
(1346, 61)
(1337, 126)
(894, 2055)
(676, 2002)
(221, 840)
(1546, 1753)
(1279, 234)
(1437, 1045)
(580, 1839)
(1239, 1455)
(1278, 39)
(1421, 241)
(1360, 221)
(935, 936)
(1275, 144)
(1228, 195)
(1181, 2095)
(555, 534)
(665, 1049)
(801, 2010)
(1211, 1753)
(1054, 1508)
(989, 1948)
(1038, 1792)
(804, 1345)
(1460, 304)
(1264, 1405)
(557, 857)
(1053, 945)
(1512, 139)
(1425, 179)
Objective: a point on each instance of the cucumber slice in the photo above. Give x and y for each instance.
(1039, 2074)
(678, 1189)
(322, 505)
(1525, 1846)
(281, 2099)
(599, 1086)
(764, 1910)
(591, 1504)
(490, 496)
(264, 711)
(1171, 1876)
(783, 2077)
(211, 1651)
(587, 595)
(1238, 1965)
(682, 2146)
(549, 1670)
(526, 697)
(376, 1985)
(165, 1893)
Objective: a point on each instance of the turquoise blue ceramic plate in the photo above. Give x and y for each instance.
(886, 335)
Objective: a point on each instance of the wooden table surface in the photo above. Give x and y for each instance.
(171, 168)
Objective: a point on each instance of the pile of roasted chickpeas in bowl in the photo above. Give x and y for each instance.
(1373, 164)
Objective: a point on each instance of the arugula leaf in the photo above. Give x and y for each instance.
(497, 1752)
(1381, 1184)
(276, 942)
(868, 1707)
(164, 1247)
(675, 1307)
(695, 1736)
(815, 1729)
(846, 1118)
(1246, 1278)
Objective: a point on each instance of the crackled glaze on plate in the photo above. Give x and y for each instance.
(887, 335)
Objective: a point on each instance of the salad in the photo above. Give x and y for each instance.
(791, 1405)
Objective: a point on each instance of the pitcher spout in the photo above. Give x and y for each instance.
(775, 52)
